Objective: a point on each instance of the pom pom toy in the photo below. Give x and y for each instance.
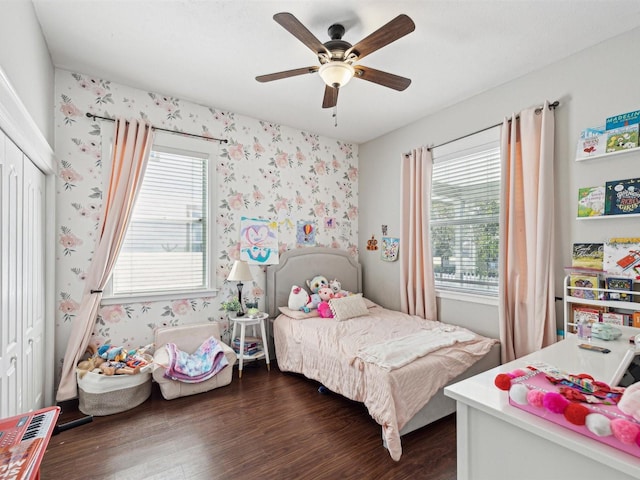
(624, 430)
(518, 393)
(324, 310)
(503, 381)
(576, 413)
(534, 398)
(554, 402)
(598, 424)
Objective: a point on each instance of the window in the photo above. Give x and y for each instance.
(465, 210)
(167, 248)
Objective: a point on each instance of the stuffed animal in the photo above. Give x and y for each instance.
(299, 299)
(112, 354)
(336, 286)
(315, 284)
(324, 310)
(91, 364)
(630, 401)
(325, 293)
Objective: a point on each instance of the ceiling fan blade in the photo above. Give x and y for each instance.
(298, 30)
(286, 74)
(330, 97)
(392, 31)
(382, 78)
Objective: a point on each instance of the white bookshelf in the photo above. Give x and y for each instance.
(569, 300)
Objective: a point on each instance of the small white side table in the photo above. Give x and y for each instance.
(244, 322)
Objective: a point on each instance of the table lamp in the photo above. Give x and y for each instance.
(240, 273)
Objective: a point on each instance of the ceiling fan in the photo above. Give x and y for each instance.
(338, 58)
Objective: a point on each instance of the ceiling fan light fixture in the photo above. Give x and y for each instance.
(336, 73)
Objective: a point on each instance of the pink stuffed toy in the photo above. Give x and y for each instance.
(324, 310)
(325, 294)
(630, 401)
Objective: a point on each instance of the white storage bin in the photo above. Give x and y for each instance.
(101, 395)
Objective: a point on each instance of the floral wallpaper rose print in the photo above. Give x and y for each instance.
(265, 171)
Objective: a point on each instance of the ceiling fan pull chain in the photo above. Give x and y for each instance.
(335, 115)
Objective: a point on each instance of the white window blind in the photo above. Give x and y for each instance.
(465, 201)
(167, 245)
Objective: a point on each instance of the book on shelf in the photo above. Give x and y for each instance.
(623, 138)
(622, 257)
(613, 318)
(252, 345)
(584, 286)
(622, 120)
(592, 142)
(591, 201)
(615, 283)
(582, 313)
(587, 255)
(635, 319)
(622, 197)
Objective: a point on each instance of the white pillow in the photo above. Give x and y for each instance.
(298, 314)
(345, 308)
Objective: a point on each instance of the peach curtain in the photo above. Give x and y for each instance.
(131, 148)
(418, 293)
(526, 305)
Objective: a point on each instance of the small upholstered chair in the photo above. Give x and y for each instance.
(188, 338)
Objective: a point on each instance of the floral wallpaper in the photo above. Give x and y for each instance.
(265, 171)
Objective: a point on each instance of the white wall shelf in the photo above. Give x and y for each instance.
(599, 217)
(608, 155)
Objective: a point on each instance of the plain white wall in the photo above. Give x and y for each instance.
(25, 60)
(591, 85)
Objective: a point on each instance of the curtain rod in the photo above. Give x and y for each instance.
(221, 140)
(552, 106)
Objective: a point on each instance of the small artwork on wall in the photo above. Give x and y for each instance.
(372, 244)
(306, 233)
(390, 247)
(258, 241)
(329, 223)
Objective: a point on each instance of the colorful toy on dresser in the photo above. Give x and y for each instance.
(610, 415)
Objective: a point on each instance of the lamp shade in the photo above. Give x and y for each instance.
(240, 272)
(336, 73)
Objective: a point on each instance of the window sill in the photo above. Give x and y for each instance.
(143, 298)
(467, 297)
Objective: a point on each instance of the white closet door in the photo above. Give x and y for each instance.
(11, 257)
(33, 293)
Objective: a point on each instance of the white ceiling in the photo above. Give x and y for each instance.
(211, 51)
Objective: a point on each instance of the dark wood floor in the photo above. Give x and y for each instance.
(269, 425)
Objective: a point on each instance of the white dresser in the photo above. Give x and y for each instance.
(498, 441)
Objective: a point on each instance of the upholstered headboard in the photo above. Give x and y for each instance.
(301, 264)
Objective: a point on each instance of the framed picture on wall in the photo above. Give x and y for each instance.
(389, 250)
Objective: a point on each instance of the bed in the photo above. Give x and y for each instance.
(370, 358)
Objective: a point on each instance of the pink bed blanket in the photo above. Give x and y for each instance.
(331, 352)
